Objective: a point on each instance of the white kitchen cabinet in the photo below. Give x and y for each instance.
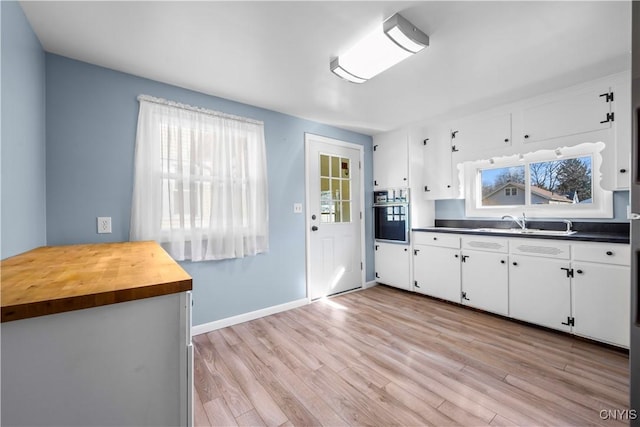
(601, 302)
(391, 160)
(485, 274)
(540, 282)
(436, 265)
(600, 291)
(392, 264)
(575, 287)
(621, 106)
(540, 291)
(120, 364)
(438, 176)
(481, 134)
(583, 111)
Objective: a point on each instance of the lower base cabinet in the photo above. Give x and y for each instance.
(601, 307)
(124, 364)
(485, 281)
(393, 265)
(579, 287)
(437, 272)
(540, 291)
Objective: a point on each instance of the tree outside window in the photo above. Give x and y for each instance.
(568, 178)
(566, 181)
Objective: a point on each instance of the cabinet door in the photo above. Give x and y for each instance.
(438, 178)
(621, 106)
(601, 302)
(390, 160)
(485, 281)
(584, 111)
(481, 134)
(392, 265)
(540, 291)
(436, 272)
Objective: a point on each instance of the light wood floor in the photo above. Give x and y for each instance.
(386, 357)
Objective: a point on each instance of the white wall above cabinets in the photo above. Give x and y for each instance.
(574, 287)
(596, 111)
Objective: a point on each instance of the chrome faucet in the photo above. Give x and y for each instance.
(522, 222)
(569, 224)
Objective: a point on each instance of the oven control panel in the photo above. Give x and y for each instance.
(393, 195)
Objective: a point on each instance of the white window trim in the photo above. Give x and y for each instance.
(602, 206)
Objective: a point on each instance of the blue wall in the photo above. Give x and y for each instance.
(23, 211)
(454, 209)
(91, 127)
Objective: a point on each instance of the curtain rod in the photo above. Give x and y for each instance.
(214, 113)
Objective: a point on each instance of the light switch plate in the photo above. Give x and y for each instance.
(297, 208)
(104, 224)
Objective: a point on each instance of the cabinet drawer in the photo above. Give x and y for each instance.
(490, 244)
(542, 248)
(437, 239)
(606, 253)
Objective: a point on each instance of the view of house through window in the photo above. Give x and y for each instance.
(566, 181)
(500, 186)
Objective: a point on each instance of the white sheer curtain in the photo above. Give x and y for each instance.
(200, 185)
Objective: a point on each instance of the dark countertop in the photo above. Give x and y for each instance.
(608, 232)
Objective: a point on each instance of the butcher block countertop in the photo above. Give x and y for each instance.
(56, 279)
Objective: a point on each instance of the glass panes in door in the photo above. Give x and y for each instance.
(335, 189)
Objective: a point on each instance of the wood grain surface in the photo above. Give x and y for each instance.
(56, 279)
(384, 357)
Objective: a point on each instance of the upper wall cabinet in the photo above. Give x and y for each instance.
(438, 177)
(621, 107)
(481, 134)
(391, 160)
(585, 111)
(595, 111)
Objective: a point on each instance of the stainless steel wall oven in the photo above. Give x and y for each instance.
(391, 215)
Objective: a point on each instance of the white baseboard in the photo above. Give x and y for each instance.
(234, 320)
(370, 284)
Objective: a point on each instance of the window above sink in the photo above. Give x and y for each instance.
(563, 182)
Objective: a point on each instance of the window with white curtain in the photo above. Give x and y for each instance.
(200, 185)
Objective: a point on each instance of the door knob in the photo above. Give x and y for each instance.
(314, 228)
(313, 216)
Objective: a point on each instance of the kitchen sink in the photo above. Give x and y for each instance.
(528, 231)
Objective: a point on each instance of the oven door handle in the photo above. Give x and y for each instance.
(385, 205)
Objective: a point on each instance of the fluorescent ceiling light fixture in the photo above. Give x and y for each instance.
(391, 42)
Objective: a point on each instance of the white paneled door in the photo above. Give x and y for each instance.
(334, 216)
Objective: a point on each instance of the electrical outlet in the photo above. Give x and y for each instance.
(104, 224)
(297, 208)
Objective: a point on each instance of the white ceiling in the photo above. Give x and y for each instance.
(276, 54)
